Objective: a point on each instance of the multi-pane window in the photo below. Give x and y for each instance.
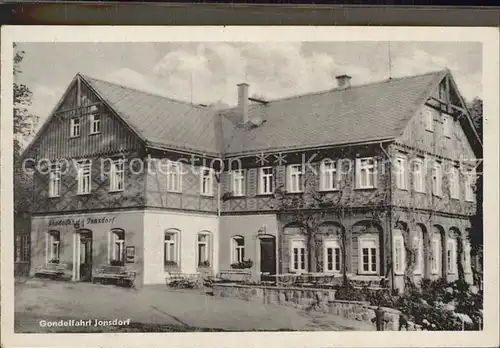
(118, 247)
(116, 175)
(238, 182)
(328, 175)
(454, 180)
(418, 249)
(174, 177)
(366, 173)
(238, 249)
(435, 254)
(470, 179)
(298, 252)
(55, 181)
(437, 179)
(170, 250)
(332, 256)
(400, 172)
(75, 127)
(206, 181)
(95, 123)
(429, 120)
(447, 126)
(83, 177)
(368, 256)
(22, 248)
(203, 250)
(266, 180)
(295, 178)
(399, 254)
(451, 256)
(418, 175)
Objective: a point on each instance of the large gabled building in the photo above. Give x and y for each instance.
(239, 182)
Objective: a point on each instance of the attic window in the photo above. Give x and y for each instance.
(75, 127)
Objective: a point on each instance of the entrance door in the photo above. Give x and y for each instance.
(268, 255)
(86, 257)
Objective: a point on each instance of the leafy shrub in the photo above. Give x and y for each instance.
(204, 264)
(243, 264)
(170, 263)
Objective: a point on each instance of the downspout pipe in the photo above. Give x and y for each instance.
(389, 204)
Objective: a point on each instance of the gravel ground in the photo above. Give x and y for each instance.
(157, 309)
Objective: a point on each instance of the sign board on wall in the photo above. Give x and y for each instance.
(130, 254)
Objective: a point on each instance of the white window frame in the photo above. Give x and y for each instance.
(84, 177)
(206, 181)
(53, 246)
(118, 246)
(174, 177)
(207, 250)
(365, 242)
(336, 252)
(95, 124)
(75, 127)
(237, 250)
(437, 179)
(174, 234)
(300, 245)
(295, 178)
(429, 120)
(436, 257)
(401, 172)
(399, 261)
(117, 175)
(470, 178)
(266, 186)
(418, 247)
(454, 182)
(418, 175)
(55, 181)
(366, 167)
(329, 176)
(451, 256)
(238, 182)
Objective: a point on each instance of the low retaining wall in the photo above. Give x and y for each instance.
(320, 300)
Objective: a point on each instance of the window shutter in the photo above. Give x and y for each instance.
(357, 175)
(375, 172)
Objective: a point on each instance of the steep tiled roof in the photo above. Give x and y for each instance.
(160, 121)
(372, 112)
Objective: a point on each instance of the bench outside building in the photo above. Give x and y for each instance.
(118, 275)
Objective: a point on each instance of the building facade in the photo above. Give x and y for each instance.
(375, 181)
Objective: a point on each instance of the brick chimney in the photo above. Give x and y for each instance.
(343, 81)
(243, 101)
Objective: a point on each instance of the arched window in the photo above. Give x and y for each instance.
(435, 251)
(117, 248)
(204, 253)
(53, 246)
(171, 249)
(237, 249)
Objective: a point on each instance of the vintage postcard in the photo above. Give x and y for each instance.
(249, 186)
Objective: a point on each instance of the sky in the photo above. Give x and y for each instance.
(208, 72)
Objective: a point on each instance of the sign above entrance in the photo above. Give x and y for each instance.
(82, 222)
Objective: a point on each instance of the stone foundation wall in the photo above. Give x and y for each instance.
(320, 300)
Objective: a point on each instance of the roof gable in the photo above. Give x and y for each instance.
(160, 121)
